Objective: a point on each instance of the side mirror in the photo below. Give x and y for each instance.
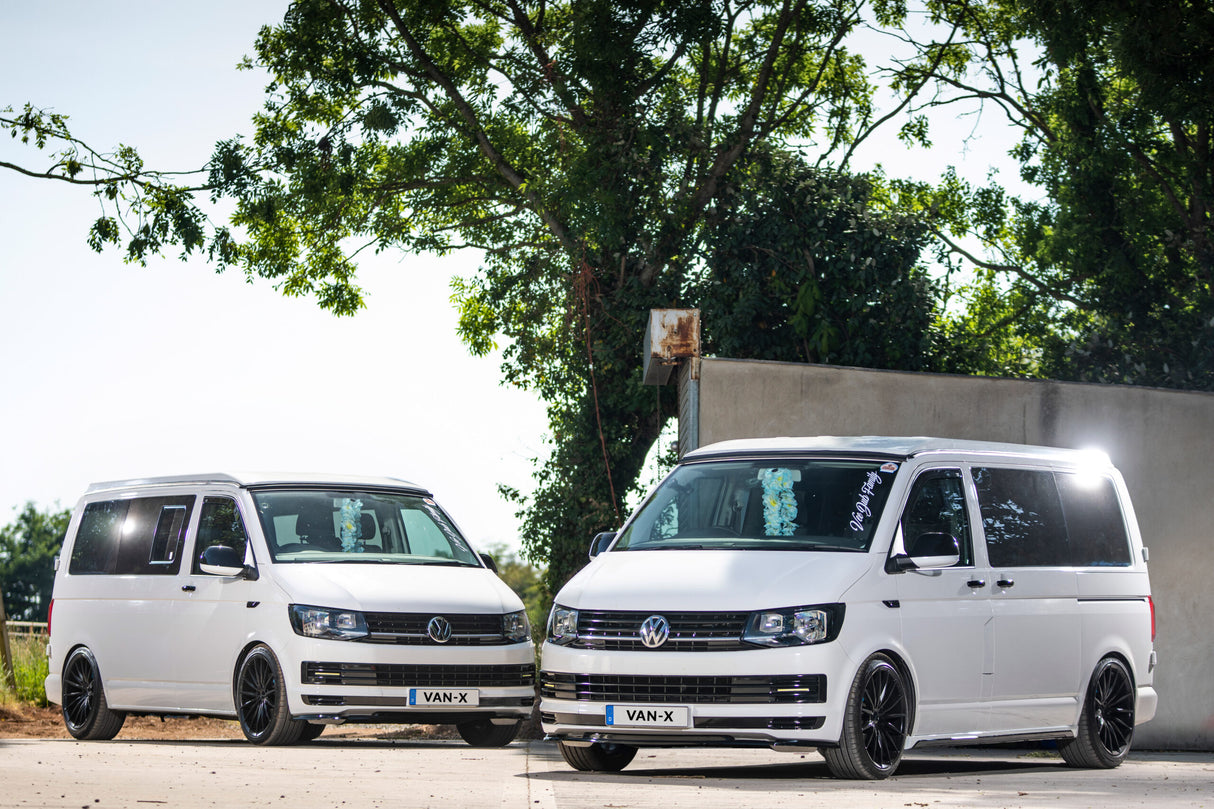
(221, 560)
(601, 542)
(489, 561)
(930, 551)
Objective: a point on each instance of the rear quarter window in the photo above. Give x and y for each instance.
(1095, 525)
(96, 547)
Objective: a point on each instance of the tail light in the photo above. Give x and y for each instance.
(1151, 601)
(51, 611)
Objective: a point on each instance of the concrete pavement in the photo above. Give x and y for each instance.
(451, 775)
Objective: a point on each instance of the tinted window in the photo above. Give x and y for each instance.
(937, 505)
(1095, 526)
(96, 546)
(124, 537)
(147, 519)
(219, 523)
(1022, 517)
(1036, 518)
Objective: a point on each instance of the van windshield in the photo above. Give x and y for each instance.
(367, 527)
(763, 504)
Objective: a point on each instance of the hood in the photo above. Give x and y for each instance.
(695, 580)
(396, 588)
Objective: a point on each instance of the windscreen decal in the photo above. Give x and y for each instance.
(861, 512)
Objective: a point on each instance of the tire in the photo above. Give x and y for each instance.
(875, 723)
(483, 733)
(598, 757)
(85, 712)
(1106, 723)
(261, 701)
(310, 731)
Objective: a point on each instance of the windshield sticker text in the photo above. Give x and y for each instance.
(861, 511)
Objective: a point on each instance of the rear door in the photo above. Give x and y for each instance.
(1035, 599)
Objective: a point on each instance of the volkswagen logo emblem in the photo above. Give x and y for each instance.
(439, 629)
(654, 631)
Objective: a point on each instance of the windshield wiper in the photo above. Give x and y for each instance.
(669, 546)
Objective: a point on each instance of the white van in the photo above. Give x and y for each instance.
(861, 596)
(284, 602)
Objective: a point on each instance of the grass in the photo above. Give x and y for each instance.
(30, 668)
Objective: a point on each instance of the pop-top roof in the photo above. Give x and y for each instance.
(262, 479)
(897, 447)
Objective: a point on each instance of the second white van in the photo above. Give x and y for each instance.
(287, 603)
(861, 596)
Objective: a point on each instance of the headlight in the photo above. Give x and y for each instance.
(796, 626)
(516, 627)
(562, 625)
(320, 622)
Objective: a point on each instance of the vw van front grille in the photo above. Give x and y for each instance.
(410, 629)
(401, 675)
(789, 689)
(689, 631)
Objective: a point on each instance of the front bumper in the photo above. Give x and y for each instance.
(352, 682)
(765, 697)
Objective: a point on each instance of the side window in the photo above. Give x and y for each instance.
(96, 547)
(132, 537)
(937, 505)
(152, 535)
(1022, 517)
(1095, 526)
(219, 524)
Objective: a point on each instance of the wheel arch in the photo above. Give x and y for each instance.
(77, 647)
(912, 685)
(249, 646)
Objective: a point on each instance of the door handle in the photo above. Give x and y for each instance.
(976, 583)
(1005, 583)
(187, 588)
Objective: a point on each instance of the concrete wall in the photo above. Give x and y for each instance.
(1162, 441)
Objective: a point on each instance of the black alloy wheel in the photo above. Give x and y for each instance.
(85, 712)
(875, 725)
(261, 701)
(1106, 723)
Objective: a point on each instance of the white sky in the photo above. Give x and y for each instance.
(111, 370)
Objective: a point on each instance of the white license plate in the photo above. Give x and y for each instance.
(648, 716)
(452, 697)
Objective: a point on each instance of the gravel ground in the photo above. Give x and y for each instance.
(29, 722)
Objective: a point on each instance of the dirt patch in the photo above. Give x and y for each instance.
(29, 722)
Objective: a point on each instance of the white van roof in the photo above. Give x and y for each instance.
(894, 447)
(260, 479)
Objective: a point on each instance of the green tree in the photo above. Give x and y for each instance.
(28, 547)
(803, 266)
(1117, 109)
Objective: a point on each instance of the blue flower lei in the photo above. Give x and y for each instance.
(779, 505)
